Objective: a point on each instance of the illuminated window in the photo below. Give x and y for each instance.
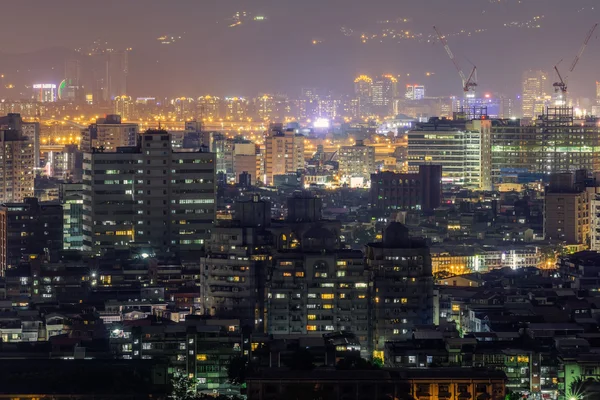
(327, 306)
(455, 307)
(362, 296)
(523, 359)
(287, 274)
(311, 327)
(341, 273)
(201, 357)
(342, 295)
(404, 300)
(342, 263)
(396, 331)
(327, 296)
(360, 285)
(280, 296)
(312, 317)
(285, 263)
(299, 274)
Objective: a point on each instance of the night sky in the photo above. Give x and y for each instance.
(278, 55)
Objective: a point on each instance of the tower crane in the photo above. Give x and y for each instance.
(561, 85)
(469, 84)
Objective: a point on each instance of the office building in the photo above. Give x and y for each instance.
(29, 228)
(235, 266)
(149, 194)
(356, 164)
(17, 160)
(401, 286)
(414, 92)
(45, 92)
(462, 147)
(556, 143)
(123, 107)
(109, 133)
(284, 153)
(392, 191)
(71, 199)
(535, 86)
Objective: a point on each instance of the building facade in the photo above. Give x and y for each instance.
(17, 160)
(401, 286)
(150, 195)
(109, 133)
(28, 229)
(284, 153)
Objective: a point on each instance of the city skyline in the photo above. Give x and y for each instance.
(235, 55)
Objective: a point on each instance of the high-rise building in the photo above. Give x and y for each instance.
(401, 286)
(45, 92)
(534, 91)
(462, 147)
(557, 142)
(383, 92)
(17, 160)
(209, 108)
(31, 130)
(284, 153)
(109, 133)
(71, 199)
(71, 88)
(65, 164)
(236, 262)
(149, 195)
(29, 228)
(236, 108)
(244, 160)
(363, 93)
(315, 285)
(123, 107)
(414, 92)
(117, 69)
(567, 214)
(356, 164)
(391, 191)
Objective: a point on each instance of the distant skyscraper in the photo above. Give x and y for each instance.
(45, 92)
(414, 92)
(534, 91)
(70, 88)
(597, 93)
(117, 69)
(236, 108)
(123, 107)
(363, 91)
(383, 92)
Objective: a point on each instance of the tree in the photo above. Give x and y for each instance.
(183, 387)
(581, 388)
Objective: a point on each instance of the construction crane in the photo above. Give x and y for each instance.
(470, 83)
(561, 85)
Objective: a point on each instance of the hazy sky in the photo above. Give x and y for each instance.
(278, 54)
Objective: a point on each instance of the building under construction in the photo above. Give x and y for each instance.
(556, 142)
